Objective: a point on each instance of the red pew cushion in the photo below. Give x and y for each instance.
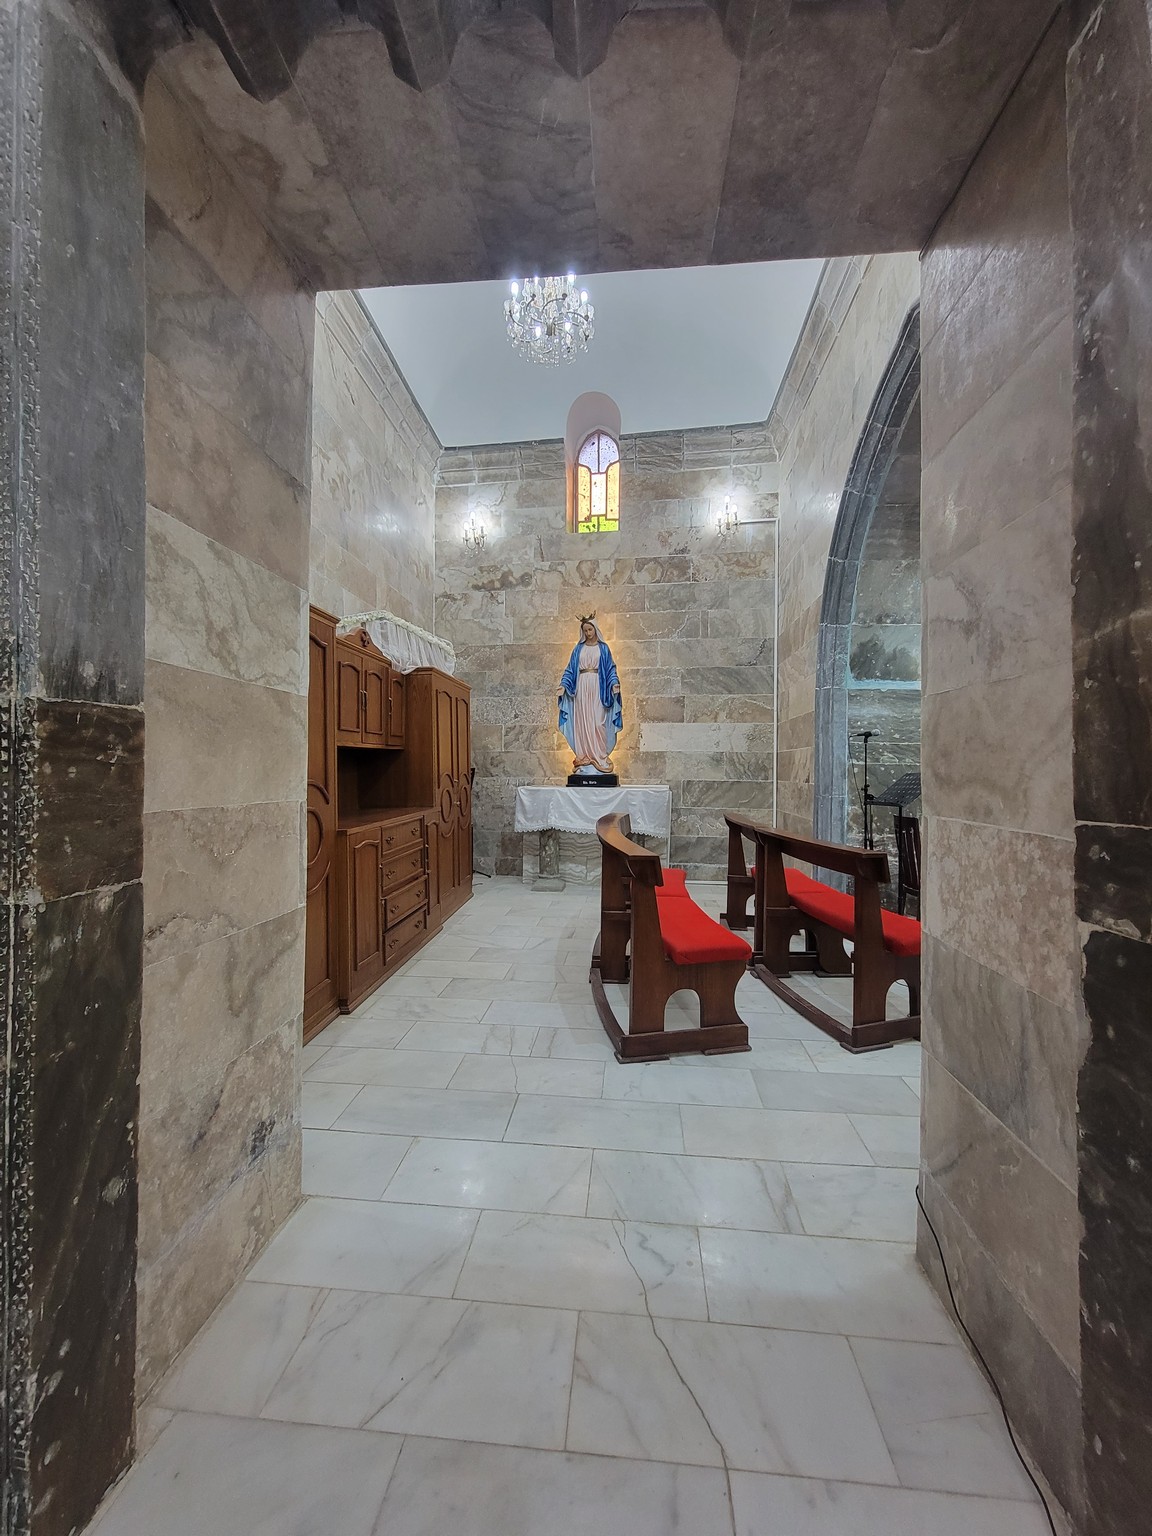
(690, 936)
(838, 910)
(675, 883)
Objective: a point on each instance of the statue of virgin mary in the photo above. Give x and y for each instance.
(590, 715)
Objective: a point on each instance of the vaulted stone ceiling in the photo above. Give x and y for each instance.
(404, 141)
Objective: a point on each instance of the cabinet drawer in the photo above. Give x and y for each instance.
(401, 868)
(407, 899)
(404, 934)
(396, 836)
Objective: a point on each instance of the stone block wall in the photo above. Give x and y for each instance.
(689, 617)
(374, 462)
(1003, 1031)
(228, 464)
(860, 306)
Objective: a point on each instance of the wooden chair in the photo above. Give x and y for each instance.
(655, 938)
(885, 945)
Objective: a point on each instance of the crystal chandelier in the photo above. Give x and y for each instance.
(549, 319)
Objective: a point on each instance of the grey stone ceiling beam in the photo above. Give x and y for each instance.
(262, 40)
(421, 37)
(581, 31)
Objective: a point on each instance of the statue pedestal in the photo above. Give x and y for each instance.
(549, 878)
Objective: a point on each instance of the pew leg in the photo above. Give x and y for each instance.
(832, 957)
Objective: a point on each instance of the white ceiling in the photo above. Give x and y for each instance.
(690, 347)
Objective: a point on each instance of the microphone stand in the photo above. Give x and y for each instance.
(866, 793)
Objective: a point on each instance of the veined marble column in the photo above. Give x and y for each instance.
(71, 794)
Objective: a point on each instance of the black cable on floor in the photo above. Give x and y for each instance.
(976, 1350)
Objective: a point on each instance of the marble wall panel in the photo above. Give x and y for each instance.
(373, 474)
(1002, 1012)
(228, 468)
(213, 610)
(1019, 1212)
(690, 618)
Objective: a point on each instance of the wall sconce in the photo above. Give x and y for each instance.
(475, 534)
(727, 521)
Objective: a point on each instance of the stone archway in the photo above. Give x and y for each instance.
(891, 426)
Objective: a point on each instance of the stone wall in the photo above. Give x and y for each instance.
(1002, 1028)
(229, 366)
(689, 617)
(856, 318)
(373, 474)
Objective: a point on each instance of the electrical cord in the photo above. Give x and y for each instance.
(976, 1350)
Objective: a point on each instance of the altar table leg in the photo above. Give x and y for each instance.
(548, 878)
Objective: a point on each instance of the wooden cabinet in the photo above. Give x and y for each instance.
(321, 924)
(364, 696)
(397, 700)
(389, 824)
(436, 770)
(384, 889)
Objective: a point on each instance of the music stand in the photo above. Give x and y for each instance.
(903, 792)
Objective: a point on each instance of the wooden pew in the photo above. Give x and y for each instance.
(885, 945)
(654, 937)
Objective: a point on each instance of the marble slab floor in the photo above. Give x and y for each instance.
(532, 1292)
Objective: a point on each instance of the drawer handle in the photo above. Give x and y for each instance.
(389, 840)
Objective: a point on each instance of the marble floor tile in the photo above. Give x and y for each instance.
(471, 1039)
(943, 1427)
(310, 1055)
(766, 1054)
(772, 1025)
(241, 1477)
(893, 1140)
(405, 985)
(545, 1015)
(363, 1246)
(367, 1032)
(531, 1074)
(462, 1370)
(667, 1082)
(494, 1175)
(876, 1203)
(583, 1264)
(598, 1123)
(369, 1064)
(475, 990)
(321, 1104)
(789, 1506)
(692, 1191)
(821, 1285)
(573, 1044)
(406, 1011)
(478, 969)
(901, 1060)
(839, 1092)
(349, 1164)
(429, 1112)
(238, 1358)
(680, 1391)
(776, 1135)
(444, 1488)
(914, 1084)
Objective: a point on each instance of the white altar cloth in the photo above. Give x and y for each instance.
(560, 808)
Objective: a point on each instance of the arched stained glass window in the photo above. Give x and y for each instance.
(598, 485)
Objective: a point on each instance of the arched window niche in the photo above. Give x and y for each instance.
(592, 457)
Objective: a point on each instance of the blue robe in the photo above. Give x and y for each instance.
(611, 701)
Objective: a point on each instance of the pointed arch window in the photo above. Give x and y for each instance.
(597, 498)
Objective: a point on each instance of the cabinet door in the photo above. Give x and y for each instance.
(349, 696)
(364, 934)
(321, 985)
(397, 708)
(374, 722)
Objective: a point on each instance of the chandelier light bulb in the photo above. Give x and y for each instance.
(546, 322)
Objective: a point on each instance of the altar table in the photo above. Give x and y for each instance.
(553, 808)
